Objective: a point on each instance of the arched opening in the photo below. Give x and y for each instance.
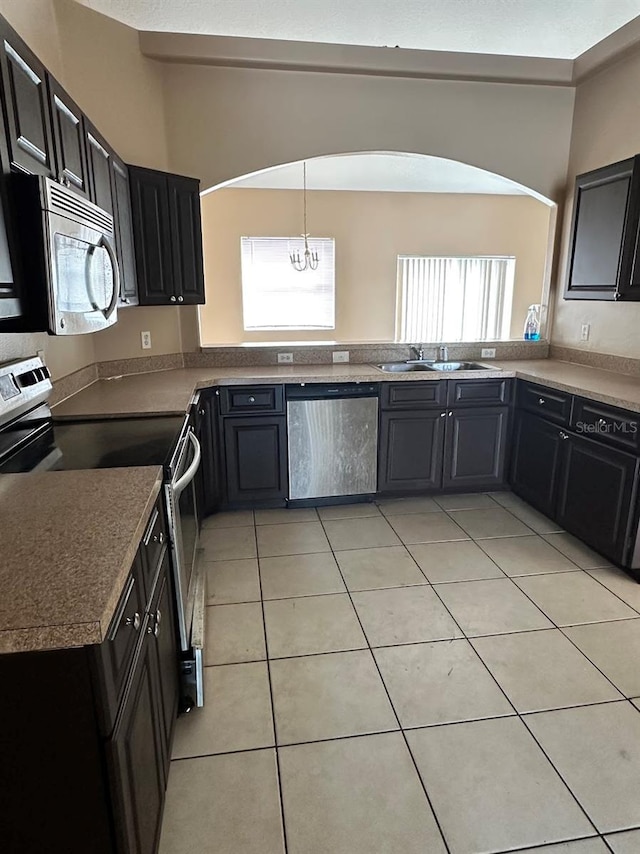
(414, 248)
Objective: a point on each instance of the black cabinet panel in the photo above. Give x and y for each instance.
(124, 232)
(413, 395)
(26, 103)
(411, 448)
(475, 447)
(186, 231)
(209, 480)
(478, 392)
(536, 461)
(606, 423)
(595, 495)
(11, 306)
(162, 623)
(70, 140)
(549, 403)
(244, 399)
(605, 233)
(255, 455)
(99, 157)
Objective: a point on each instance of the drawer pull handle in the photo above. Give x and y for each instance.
(563, 435)
(541, 401)
(133, 621)
(159, 538)
(252, 399)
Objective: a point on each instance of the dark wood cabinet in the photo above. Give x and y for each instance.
(209, 479)
(603, 254)
(411, 451)
(595, 492)
(70, 140)
(26, 106)
(11, 307)
(168, 237)
(162, 626)
(536, 459)
(475, 447)
(255, 450)
(99, 157)
(123, 226)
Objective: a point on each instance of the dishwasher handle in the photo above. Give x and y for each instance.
(325, 391)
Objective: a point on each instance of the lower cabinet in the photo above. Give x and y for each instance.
(410, 451)
(256, 458)
(474, 448)
(588, 487)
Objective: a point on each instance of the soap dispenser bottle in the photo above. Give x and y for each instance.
(532, 324)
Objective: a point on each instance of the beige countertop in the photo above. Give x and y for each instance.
(68, 539)
(169, 392)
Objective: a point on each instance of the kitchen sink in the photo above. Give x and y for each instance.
(405, 367)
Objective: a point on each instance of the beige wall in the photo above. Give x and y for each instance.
(606, 128)
(370, 229)
(99, 63)
(227, 122)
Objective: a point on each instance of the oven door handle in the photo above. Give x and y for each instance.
(180, 485)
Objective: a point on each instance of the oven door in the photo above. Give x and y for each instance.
(84, 279)
(183, 520)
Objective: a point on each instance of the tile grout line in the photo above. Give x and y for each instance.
(273, 711)
(393, 708)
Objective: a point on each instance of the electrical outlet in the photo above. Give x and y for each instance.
(585, 329)
(488, 353)
(145, 340)
(285, 358)
(340, 356)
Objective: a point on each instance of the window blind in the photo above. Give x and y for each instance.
(454, 299)
(275, 296)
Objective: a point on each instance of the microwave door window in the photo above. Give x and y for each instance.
(84, 276)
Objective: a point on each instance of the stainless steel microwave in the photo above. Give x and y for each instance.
(67, 258)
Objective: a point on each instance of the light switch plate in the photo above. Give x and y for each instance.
(285, 358)
(145, 340)
(488, 353)
(340, 356)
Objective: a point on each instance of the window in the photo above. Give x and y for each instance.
(275, 296)
(454, 299)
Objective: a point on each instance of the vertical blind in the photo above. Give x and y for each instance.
(454, 299)
(275, 296)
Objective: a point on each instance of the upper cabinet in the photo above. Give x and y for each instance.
(168, 237)
(124, 232)
(99, 154)
(26, 106)
(603, 255)
(70, 140)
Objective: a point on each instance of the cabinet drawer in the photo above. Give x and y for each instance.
(153, 545)
(414, 395)
(246, 399)
(549, 403)
(478, 392)
(606, 424)
(116, 653)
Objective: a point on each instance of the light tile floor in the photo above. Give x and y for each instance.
(422, 675)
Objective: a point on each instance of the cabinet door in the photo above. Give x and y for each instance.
(209, 477)
(535, 461)
(475, 445)
(152, 236)
(26, 104)
(256, 458)
(162, 624)
(123, 227)
(70, 140)
(11, 308)
(99, 157)
(411, 447)
(605, 225)
(595, 495)
(136, 757)
(186, 239)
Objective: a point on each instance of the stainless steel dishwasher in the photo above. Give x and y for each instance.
(333, 439)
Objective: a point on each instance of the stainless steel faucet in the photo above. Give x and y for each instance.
(418, 351)
(443, 353)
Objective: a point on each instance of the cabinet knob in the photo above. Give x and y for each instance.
(541, 401)
(602, 424)
(172, 299)
(442, 414)
(252, 399)
(158, 620)
(180, 299)
(201, 412)
(133, 621)
(159, 538)
(563, 435)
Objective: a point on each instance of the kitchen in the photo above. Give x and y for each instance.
(539, 132)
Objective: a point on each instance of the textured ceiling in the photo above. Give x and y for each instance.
(547, 28)
(396, 173)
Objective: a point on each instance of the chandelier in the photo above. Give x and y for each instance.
(309, 259)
